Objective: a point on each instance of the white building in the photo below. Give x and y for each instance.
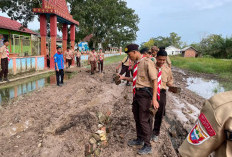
(171, 50)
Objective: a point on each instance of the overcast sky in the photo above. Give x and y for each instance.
(191, 19)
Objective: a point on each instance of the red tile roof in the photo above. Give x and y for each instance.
(7, 23)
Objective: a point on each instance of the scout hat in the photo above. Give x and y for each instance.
(131, 47)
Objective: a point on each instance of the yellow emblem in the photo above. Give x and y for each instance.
(126, 49)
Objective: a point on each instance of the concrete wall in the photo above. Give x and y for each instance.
(85, 57)
(24, 64)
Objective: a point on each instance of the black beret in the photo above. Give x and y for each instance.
(68, 47)
(144, 50)
(131, 47)
(58, 47)
(162, 52)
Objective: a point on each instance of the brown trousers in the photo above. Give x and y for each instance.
(93, 66)
(100, 66)
(4, 66)
(160, 113)
(143, 118)
(69, 62)
(78, 61)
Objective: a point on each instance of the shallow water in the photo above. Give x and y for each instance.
(203, 87)
(20, 89)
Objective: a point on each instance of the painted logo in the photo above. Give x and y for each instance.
(197, 135)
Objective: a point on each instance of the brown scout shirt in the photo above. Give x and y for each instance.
(126, 61)
(216, 117)
(101, 55)
(92, 56)
(166, 77)
(77, 54)
(147, 73)
(68, 54)
(3, 51)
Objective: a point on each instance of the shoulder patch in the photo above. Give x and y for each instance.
(197, 135)
(207, 125)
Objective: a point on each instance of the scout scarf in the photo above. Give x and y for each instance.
(100, 57)
(159, 83)
(135, 74)
(7, 54)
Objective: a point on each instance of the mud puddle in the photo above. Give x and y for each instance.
(204, 87)
(26, 87)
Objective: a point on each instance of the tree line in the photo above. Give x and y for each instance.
(109, 21)
(211, 46)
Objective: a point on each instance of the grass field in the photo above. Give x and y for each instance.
(109, 60)
(219, 67)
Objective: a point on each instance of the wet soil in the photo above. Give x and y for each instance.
(58, 121)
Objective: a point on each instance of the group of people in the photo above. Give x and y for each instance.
(152, 74)
(151, 77)
(59, 62)
(69, 55)
(94, 58)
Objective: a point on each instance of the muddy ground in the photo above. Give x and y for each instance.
(58, 121)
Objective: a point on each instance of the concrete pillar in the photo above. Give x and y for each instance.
(53, 33)
(72, 38)
(43, 34)
(65, 36)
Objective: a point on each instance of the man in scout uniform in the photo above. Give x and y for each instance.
(126, 65)
(213, 129)
(69, 57)
(145, 52)
(4, 55)
(145, 93)
(92, 60)
(78, 57)
(48, 56)
(59, 66)
(165, 79)
(100, 60)
(154, 51)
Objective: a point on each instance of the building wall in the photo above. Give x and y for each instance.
(19, 42)
(171, 50)
(190, 53)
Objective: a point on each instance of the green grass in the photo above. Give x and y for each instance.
(219, 67)
(114, 59)
(108, 60)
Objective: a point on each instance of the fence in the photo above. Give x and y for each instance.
(25, 64)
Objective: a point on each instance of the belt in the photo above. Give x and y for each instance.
(143, 89)
(146, 89)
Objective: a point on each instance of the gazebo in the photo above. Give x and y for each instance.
(56, 10)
